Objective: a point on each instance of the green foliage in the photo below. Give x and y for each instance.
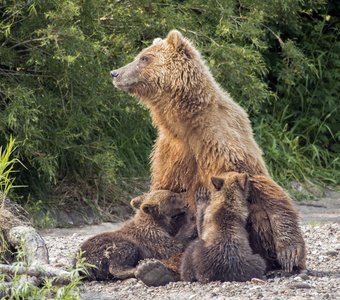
(6, 184)
(57, 99)
(22, 289)
(280, 59)
(6, 170)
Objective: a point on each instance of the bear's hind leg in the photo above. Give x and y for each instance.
(123, 258)
(283, 238)
(154, 273)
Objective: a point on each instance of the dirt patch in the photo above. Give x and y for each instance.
(324, 210)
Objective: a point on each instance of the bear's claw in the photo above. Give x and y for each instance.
(202, 195)
(153, 273)
(290, 257)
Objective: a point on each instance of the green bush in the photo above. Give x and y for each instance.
(57, 99)
(280, 59)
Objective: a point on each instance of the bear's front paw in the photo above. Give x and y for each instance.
(153, 273)
(202, 196)
(292, 257)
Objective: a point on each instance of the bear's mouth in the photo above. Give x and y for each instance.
(122, 86)
(125, 83)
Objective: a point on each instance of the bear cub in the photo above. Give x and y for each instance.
(148, 234)
(222, 251)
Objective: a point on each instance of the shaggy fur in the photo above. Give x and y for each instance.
(202, 132)
(146, 235)
(222, 251)
(273, 226)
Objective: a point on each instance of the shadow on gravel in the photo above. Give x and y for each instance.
(317, 273)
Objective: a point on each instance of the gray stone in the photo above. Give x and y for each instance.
(304, 276)
(332, 253)
(300, 285)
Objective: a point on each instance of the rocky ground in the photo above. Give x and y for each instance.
(321, 226)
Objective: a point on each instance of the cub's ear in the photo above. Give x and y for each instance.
(136, 202)
(179, 43)
(243, 181)
(150, 209)
(217, 182)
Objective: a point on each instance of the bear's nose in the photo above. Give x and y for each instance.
(114, 74)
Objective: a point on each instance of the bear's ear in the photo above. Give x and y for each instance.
(136, 202)
(175, 39)
(217, 182)
(179, 43)
(150, 209)
(243, 181)
(156, 41)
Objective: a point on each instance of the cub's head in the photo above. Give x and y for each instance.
(231, 192)
(166, 208)
(167, 66)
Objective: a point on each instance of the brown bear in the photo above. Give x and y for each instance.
(148, 234)
(222, 252)
(202, 132)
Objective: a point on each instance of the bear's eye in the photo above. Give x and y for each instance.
(144, 59)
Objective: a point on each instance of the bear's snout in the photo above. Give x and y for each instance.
(126, 78)
(114, 74)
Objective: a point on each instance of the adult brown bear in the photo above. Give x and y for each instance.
(202, 133)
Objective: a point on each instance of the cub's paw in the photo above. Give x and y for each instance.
(292, 258)
(202, 196)
(153, 273)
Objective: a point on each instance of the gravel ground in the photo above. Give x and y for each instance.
(321, 226)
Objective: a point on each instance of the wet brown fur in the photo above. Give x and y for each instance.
(222, 251)
(148, 234)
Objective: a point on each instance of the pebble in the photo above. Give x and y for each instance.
(297, 278)
(303, 276)
(300, 285)
(332, 253)
(257, 281)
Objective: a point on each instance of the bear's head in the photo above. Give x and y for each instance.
(230, 193)
(166, 208)
(169, 66)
